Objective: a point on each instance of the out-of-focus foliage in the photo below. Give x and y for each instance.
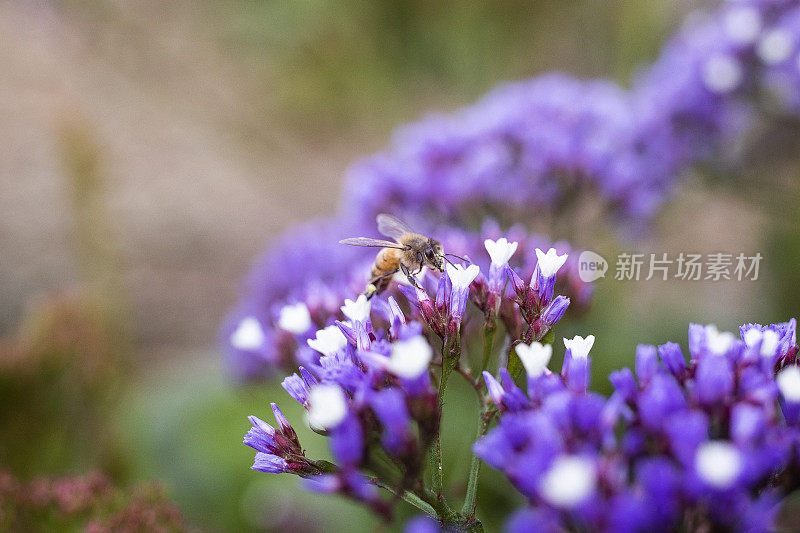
(57, 378)
(90, 503)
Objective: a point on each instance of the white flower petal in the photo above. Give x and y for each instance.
(568, 481)
(722, 74)
(295, 318)
(327, 406)
(752, 337)
(718, 342)
(550, 263)
(769, 343)
(410, 358)
(358, 310)
(718, 463)
(788, 381)
(500, 251)
(328, 340)
(743, 24)
(534, 357)
(578, 346)
(775, 46)
(249, 335)
(461, 277)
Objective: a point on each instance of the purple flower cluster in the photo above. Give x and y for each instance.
(369, 387)
(531, 150)
(700, 91)
(370, 392)
(677, 446)
(535, 146)
(289, 295)
(527, 147)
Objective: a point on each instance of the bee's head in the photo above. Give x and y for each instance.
(434, 255)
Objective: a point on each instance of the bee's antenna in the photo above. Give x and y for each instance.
(454, 255)
(446, 259)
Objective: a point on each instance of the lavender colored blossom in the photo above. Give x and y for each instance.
(279, 325)
(685, 442)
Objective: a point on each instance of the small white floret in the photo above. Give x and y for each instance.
(718, 463)
(788, 381)
(500, 250)
(249, 335)
(578, 346)
(722, 74)
(357, 311)
(295, 318)
(328, 340)
(461, 277)
(410, 358)
(327, 406)
(550, 263)
(775, 47)
(718, 342)
(534, 357)
(743, 24)
(569, 481)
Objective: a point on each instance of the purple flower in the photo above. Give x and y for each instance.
(544, 277)
(460, 280)
(672, 356)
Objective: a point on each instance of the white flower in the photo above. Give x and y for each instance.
(743, 24)
(569, 481)
(774, 47)
(768, 338)
(722, 74)
(718, 342)
(788, 381)
(327, 406)
(578, 346)
(752, 337)
(410, 358)
(500, 250)
(329, 340)
(769, 343)
(549, 263)
(357, 311)
(534, 357)
(718, 463)
(249, 335)
(295, 318)
(461, 277)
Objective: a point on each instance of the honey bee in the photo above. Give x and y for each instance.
(409, 253)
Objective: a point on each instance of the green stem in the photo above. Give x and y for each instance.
(489, 331)
(451, 352)
(411, 498)
(471, 499)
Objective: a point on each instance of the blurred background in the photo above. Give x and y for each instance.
(149, 151)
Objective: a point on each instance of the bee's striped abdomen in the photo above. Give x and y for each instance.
(387, 262)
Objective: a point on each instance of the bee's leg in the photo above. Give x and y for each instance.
(372, 288)
(421, 263)
(408, 275)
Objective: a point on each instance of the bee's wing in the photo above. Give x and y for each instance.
(391, 226)
(366, 241)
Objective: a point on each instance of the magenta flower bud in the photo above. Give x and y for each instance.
(283, 423)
